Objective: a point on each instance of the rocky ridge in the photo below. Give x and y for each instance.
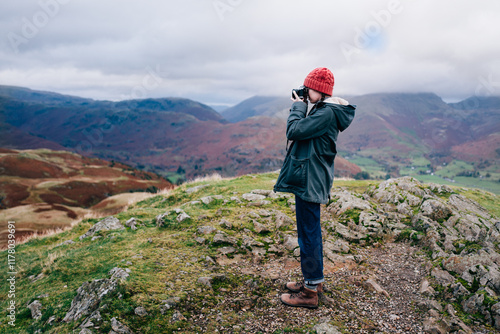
(401, 257)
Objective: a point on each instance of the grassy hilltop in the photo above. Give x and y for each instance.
(205, 257)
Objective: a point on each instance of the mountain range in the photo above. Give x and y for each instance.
(393, 134)
(170, 136)
(414, 121)
(397, 134)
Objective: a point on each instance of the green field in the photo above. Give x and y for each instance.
(487, 178)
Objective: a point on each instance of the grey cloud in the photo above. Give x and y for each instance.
(224, 51)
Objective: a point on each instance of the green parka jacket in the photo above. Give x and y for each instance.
(308, 167)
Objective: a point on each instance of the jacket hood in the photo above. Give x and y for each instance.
(344, 112)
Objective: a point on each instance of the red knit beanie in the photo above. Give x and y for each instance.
(320, 79)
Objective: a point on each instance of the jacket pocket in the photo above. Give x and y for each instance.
(296, 175)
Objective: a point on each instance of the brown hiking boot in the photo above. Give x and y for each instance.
(298, 286)
(305, 298)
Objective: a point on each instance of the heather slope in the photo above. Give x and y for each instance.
(45, 190)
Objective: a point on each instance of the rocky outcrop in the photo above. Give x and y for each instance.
(88, 298)
(254, 234)
(171, 217)
(107, 224)
(462, 237)
(90, 295)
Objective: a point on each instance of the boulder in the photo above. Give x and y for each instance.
(108, 223)
(67, 242)
(495, 314)
(344, 200)
(140, 311)
(260, 228)
(196, 189)
(227, 250)
(426, 288)
(434, 326)
(440, 188)
(220, 239)
(282, 220)
(206, 229)
(120, 328)
(207, 281)
(474, 304)
(463, 204)
(250, 242)
(458, 290)
(36, 309)
(88, 298)
(264, 213)
(373, 285)
(325, 328)
(253, 197)
(182, 217)
(290, 242)
(350, 234)
(263, 192)
(442, 276)
(132, 223)
(92, 320)
(119, 274)
(396, 191)
(339, 246)
(178, 317)
(200, 240)
(207, 200)
(226, 224)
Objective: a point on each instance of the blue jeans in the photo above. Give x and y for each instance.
(310, 240)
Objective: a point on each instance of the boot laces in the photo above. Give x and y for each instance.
(299, 285)
(295, 294)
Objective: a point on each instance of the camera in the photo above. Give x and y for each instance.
(301, 92)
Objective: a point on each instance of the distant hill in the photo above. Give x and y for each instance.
(170, 136)
(271, 106)
(44, 189)
(402, 121)
(393, 134)
(396, 134)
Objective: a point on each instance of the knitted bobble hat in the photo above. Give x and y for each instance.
(320, 79)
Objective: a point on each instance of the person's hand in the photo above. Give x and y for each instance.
(296, 98)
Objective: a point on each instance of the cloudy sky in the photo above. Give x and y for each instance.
(224, 51)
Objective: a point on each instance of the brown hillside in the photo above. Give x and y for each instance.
(255, 145)
(484, 148)
(46, 190)
(58, 177)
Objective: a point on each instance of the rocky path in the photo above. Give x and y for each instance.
(441, 272)
(376, 291)
(383, 292)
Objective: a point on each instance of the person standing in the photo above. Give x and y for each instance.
(307, 172)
